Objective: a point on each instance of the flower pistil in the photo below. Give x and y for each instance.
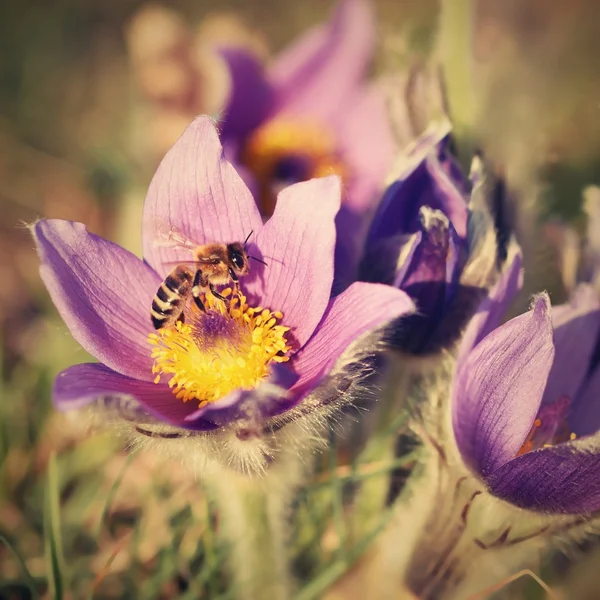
(227, 348)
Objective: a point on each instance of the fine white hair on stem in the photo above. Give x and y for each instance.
(457, 538)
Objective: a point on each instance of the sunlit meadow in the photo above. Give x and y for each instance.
(300, 300)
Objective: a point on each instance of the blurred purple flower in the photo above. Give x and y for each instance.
(524, 407)
(311, 114)
(104, 295)
(434, 236)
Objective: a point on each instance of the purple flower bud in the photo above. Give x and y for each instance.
(434, 237)
(524, 408)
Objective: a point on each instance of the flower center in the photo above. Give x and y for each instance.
(550, 427)
(285, 151)
(213, 353)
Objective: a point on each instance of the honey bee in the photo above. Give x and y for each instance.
(214, 264)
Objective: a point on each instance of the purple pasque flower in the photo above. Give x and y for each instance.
(524, 405)
(311, 112)
(237, 365)
(433, 236)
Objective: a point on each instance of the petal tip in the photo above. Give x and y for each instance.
(541, 316)
(33, 227)
(206, 125)
(46, 232)
(540, 307)
(205, 128)
(333, 181)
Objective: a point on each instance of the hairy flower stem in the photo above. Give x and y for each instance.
(251, 524)
(440, 560)
(253, 518)
(450, 539)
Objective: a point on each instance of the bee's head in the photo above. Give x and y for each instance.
(238, 258)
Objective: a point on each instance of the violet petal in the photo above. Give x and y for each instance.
(84, 384)
(102, 292)
(199, 193)
(585, 412)
(333, 64)
(426, 280)
(422, 182)
(361, 308)
(366, 145)
(389, 260)
(430, 276)
(493, 308)
(290, 66)
(250, 408)
(449, 193)
(498, 388)
(431, 140)
(297, 243)
(403, 258)
(576, 327)
(250, 96)
(558, 479)
(350, 231)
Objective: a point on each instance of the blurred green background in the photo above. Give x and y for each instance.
(91, 96)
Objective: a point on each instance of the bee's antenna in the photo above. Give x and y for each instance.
(254, 257)
(258, 260)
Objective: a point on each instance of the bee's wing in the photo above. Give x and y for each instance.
(168, 236)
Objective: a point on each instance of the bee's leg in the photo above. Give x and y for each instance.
(217, 295)
(235, 279)
(199, 303)
(196, 289)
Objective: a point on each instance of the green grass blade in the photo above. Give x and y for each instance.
(28, 576)
(52, 533)
(113, 492)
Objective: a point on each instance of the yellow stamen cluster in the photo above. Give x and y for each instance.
(214, 353)
(284, 137)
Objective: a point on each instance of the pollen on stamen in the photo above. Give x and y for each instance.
(528, 443)
(550, 427)
(212, 354)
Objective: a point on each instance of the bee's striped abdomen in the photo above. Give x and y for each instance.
(169, 301)
(164, 305)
